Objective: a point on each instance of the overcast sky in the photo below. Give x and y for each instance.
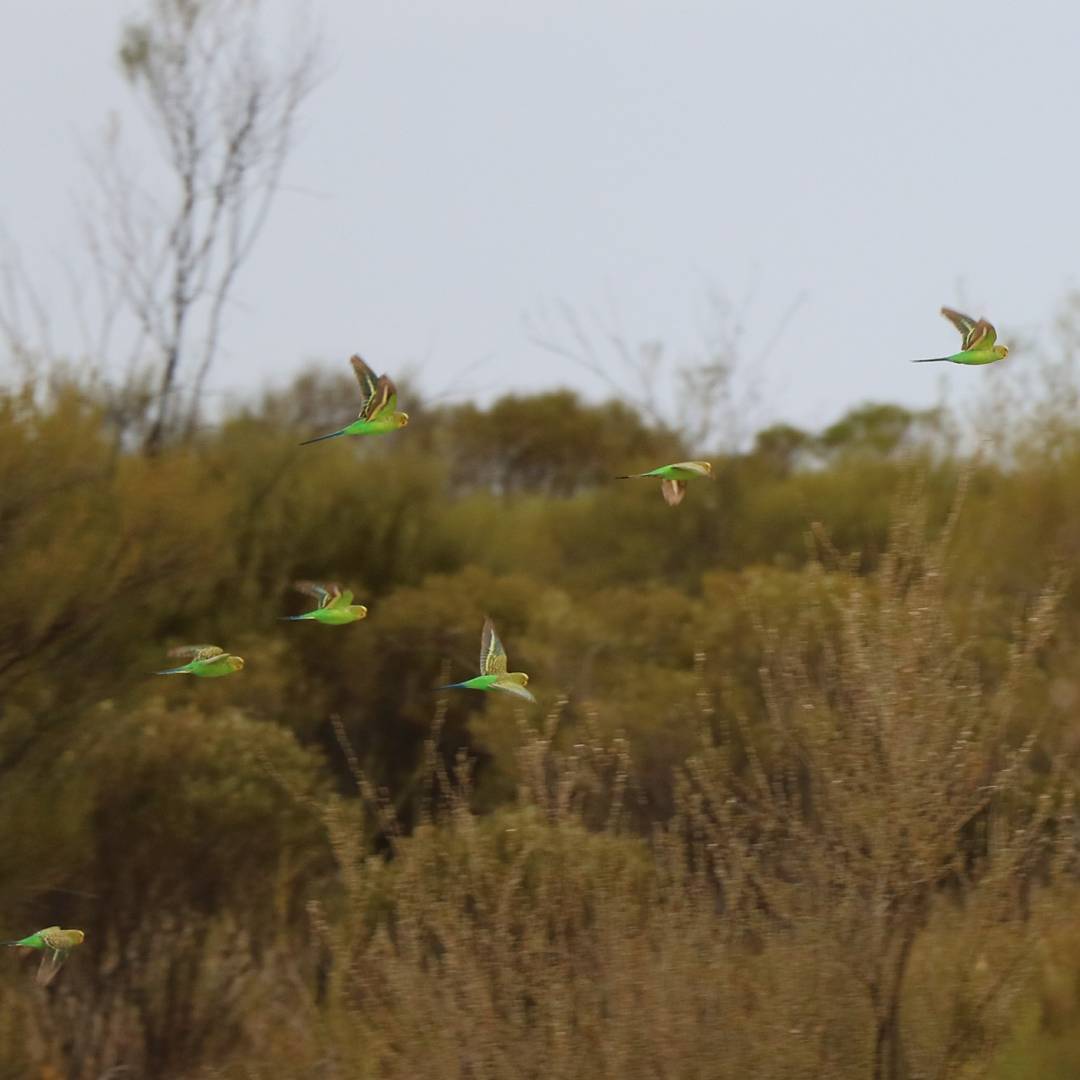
(467, 166)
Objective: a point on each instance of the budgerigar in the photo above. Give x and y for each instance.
(335, 607)
(978, 346)
(493, 674)
(379, 413)
(673, 478)
(54, 944)
(207, 661)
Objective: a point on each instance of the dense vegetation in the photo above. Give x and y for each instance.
(796, 801)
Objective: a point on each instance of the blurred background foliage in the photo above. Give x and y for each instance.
(838, 684)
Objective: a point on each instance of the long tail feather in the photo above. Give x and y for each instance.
(449, 686)
(173, 671)
(291, 618)
(931, 360)
(320, 438)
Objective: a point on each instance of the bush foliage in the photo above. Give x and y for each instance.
(795, 802)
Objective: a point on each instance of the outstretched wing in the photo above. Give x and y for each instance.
(383, 400)
(341, 600)
(964, 323)
(508, 686)
(325, 594)
(50, 964)
(977, 333)
(195, 652)
(674, 491)
(492, 654)
(367, 380)
(380, 394)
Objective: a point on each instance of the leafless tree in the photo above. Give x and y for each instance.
(703, 394)
(224, 117)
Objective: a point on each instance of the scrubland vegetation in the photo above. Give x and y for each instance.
(797, 800)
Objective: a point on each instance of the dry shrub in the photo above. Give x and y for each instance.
(856, 891)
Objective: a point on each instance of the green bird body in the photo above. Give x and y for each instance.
(673, 478)
(978, 345)
(55, 945)
(335, 607)
(493, 674)
(379, 413)
(207, 662)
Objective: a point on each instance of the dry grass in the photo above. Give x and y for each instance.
(851, 876)
(855, 889)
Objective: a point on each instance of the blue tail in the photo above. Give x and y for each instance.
(291, 618)
(931, 360)
(449, 686)
(172, 671)
(319, 438)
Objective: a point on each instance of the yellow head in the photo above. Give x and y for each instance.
(400, 419)
(1001, 351)
(236, 663)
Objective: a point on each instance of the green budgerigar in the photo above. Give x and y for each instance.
(206, 661)
(673, 478)
(380, 412)
(978, 346)
(54, 944)
(493, 674)
(335, 607)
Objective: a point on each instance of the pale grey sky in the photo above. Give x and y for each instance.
(465, 166)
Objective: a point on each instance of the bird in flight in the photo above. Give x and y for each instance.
(206, 661)
(335, 607)
(673, 478)
(379, 413)
(54, 944)
(493, 674)
(978, 346)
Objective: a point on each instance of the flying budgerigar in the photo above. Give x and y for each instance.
(673, 478)
(979, 341)
(206, 661)
(335, 607)
(54, 944)
(493, 674)
(379, 413)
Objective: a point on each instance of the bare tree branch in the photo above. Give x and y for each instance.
(224, 118)
(701, 394)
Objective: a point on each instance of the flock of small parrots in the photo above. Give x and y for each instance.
(378, 416)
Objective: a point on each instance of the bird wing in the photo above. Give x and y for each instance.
(341, 600)
(367, 380)
(61, 940)
(492, 653)
(379, 392)
(964, 323)
(673, 491)
(982, 336)
(510, 686)
(51, 962)
(977, 333)
(383, 400)
(325, 594)
(195, 652)
(695, 468)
